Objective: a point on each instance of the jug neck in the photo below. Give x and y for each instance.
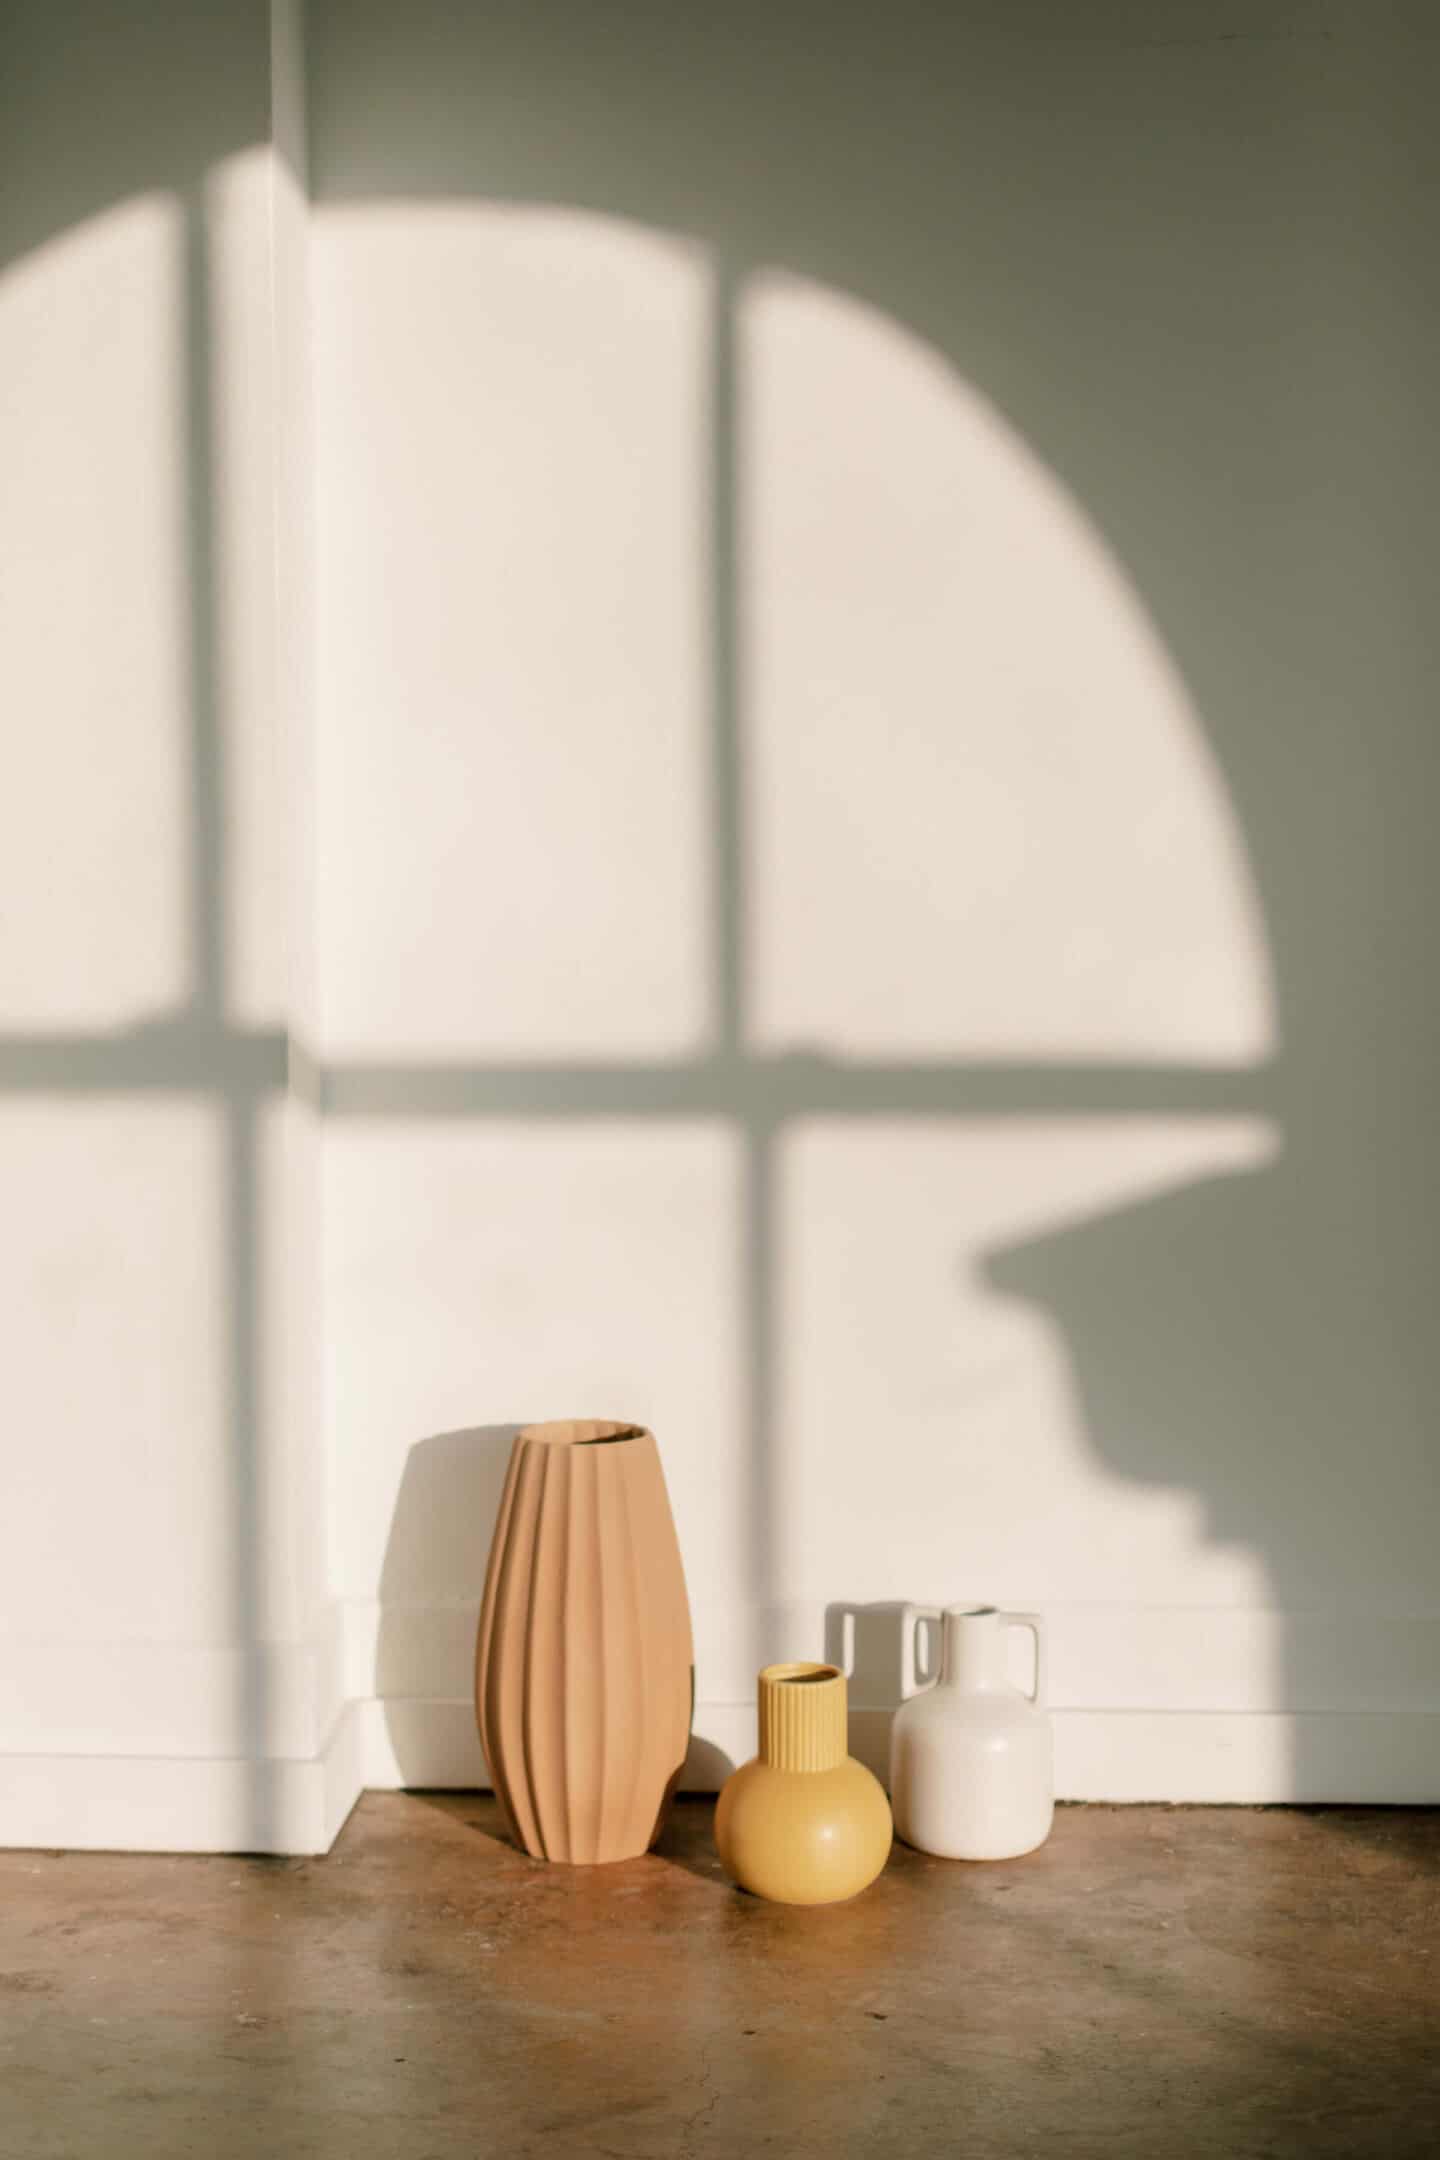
(974, 1648)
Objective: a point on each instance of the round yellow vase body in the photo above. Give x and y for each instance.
(804, 1823)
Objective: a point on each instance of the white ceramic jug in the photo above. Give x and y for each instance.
(971, 1759)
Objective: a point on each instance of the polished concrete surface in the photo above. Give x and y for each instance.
(1156, 1982)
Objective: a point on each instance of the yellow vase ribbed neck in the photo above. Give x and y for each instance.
(802, 1717)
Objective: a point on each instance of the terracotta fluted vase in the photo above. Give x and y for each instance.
(584, 1670)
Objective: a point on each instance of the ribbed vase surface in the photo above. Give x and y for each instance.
(804, 1823)
(584, 1671)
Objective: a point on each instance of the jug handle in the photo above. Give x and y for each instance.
(912, 1620)
(1037, 1629)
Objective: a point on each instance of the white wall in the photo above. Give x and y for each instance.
(166, 1670)
(868, 730)
(851, 870)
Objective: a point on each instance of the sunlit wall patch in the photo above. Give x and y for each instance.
(985, 817)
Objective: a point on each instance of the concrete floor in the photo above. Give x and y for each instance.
(1154, 1982)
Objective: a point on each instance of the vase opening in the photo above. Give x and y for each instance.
(970, 1612)
(800, 1716)
(582, 1432)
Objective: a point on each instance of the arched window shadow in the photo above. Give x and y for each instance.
(1113, 307)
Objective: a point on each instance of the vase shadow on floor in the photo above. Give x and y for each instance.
(685, 1840)
(686, 1837)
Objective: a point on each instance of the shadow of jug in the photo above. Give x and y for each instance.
(886, 1651)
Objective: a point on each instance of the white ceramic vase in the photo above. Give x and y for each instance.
(971, 1758)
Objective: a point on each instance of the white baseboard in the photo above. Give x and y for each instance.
(138, 1748)
(1101, 1657)
(1236, 1757)
(110, 1803)
(1379, 1757)
(196, 1804)
(1167, 1704)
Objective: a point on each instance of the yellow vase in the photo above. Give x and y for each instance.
(804, 1823)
